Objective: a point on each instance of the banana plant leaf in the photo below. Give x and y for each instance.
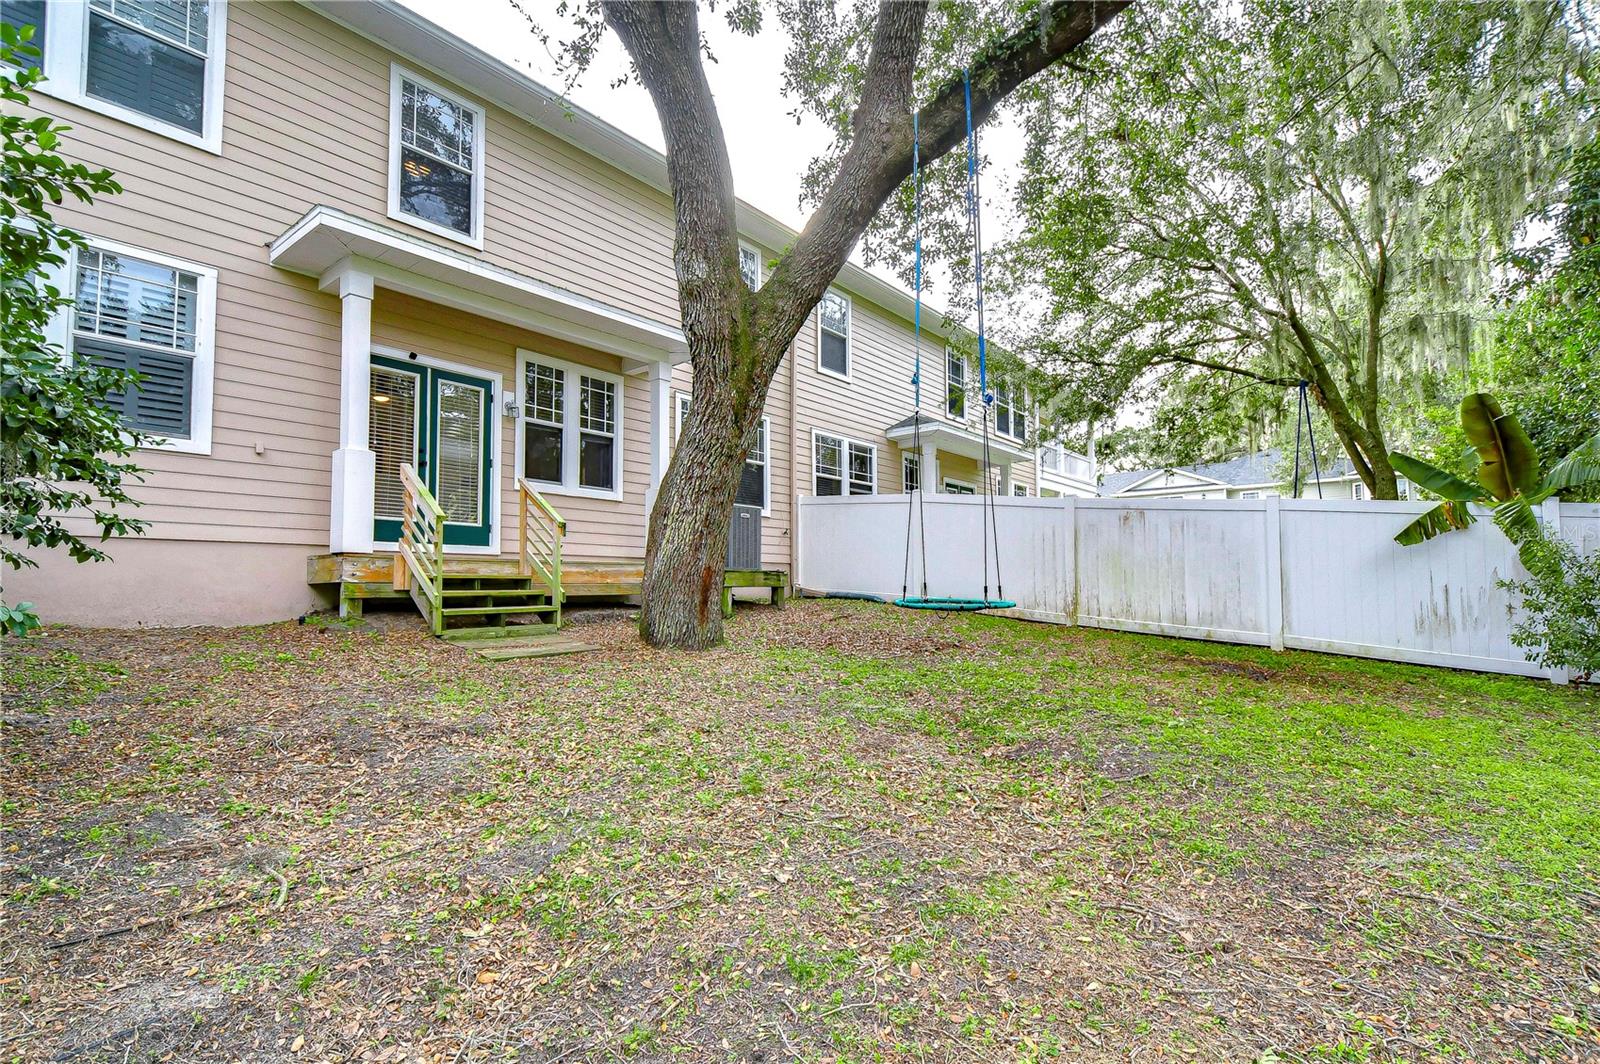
(1581, 466)
(1449, 516)
(1445, 485)
(1509, 463)
(1517, 520)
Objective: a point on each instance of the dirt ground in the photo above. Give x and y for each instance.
(854, 833)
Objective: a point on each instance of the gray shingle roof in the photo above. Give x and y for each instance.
(1262, 467)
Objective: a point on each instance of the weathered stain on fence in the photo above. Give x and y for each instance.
(1318, 575)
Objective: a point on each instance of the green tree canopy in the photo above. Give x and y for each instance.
(1277, 191)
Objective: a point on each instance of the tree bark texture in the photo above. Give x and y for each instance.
(737, 338)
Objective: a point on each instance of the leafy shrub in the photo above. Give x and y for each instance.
(1560, 622)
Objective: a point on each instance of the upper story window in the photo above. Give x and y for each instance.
(571, 427)
(750, 266)
(435, 159)
(151, 315)
(955, 383)
(833, 335)
(1010, 416)
(843, 465)
(156, 64)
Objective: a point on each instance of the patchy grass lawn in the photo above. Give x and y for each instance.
(854, 833)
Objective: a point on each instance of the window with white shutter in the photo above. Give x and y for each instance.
(152, 316)
(155, 64)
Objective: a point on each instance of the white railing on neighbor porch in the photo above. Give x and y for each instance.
(1302, 573)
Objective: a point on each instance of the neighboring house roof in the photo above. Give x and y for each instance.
(405, 31)
(1247, 471)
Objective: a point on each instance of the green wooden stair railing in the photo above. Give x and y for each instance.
(421, 549)
(540, 531)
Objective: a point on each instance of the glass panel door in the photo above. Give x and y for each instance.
(439, 420)
(460, 447)
(395, 432)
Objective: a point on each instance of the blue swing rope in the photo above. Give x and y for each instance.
(974, 219)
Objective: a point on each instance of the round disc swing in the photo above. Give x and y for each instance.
(988, 530)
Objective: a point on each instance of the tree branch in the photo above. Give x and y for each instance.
(880, 153)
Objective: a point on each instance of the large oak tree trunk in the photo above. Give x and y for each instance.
(737, 338)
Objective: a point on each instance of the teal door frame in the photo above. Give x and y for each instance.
(478, 533)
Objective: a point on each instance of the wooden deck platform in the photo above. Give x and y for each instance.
(371, 576)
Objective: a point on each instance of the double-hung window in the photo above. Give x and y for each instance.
(833, 335)
(153, 63)
(570, 427)
(1009, 416)
(153, 316)
(755, 478)
(911, 472)
(955, 383)
(843, 466)
(750, 266)
(435, 159)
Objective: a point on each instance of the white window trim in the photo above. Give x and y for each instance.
(844, 470)
(397, 73)
(680, 399)
(1014, 405)
(66, 66)
(966, 388)
(399, 354)
(203, 378)
(947, 481)
(760, 269)
(570, 430)
(849, 341)
(1019, 491)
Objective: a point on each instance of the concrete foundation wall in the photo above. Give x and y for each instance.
(170, 583)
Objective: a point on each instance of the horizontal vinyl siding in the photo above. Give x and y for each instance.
(597, 529)
(306, 122)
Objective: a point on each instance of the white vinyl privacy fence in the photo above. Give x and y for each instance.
(1311, 574)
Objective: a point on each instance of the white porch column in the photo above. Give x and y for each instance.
(1005, 478)
(354, 464)
(930, 469)
(660, 428)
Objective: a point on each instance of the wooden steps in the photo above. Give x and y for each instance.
(516, 645)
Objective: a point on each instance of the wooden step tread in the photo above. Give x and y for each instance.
(487, 592)
(495, 633)
(538, 647)
(487, 611)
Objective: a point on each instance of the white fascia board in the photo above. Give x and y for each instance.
(325, 238)
(968, 444)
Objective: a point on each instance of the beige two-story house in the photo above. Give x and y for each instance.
(354, 248)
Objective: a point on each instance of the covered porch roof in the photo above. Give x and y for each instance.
(326, 241)
(956, 439)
